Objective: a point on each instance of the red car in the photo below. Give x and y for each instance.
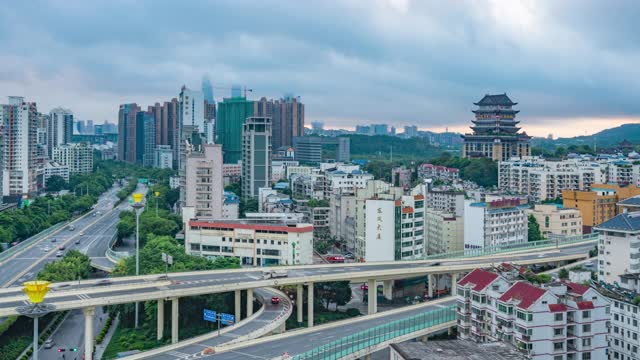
(275, 300)
(364, 287)
(335, 259)
(61, 247)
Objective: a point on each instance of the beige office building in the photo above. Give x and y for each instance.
(557, 220)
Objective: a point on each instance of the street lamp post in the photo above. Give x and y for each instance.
(137, 205)
(35, 290)
(157, 194)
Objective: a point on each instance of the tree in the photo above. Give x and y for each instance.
(247, 206)
(72, 266)
(338, 292)
(534, 229)
(55, 183)
(563, 274)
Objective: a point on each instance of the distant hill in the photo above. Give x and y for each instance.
(604, 138)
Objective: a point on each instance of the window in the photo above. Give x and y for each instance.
(558, 357)
(558, 331)
(586, 328)
(558, 346)
(586, 314)
(586, 356)
(559, 316)
(586, 342)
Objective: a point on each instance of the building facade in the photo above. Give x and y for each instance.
(308, 149)
(128, 132)
(78, 157)
(495, 223)
(163, 157)
(257, 243)
(59, 128)
(287, 118)
(232, 113)
(495, 132)
(256, 155)
(599, 203)
(561, 320)
(19, 122)
(557, 220)
(444, 232)
(204, 188)
(618, 247)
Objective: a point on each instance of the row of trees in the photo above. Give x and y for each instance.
(73, 266)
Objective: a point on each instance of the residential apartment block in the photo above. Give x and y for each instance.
(618, 247)
(204, 189)
(78, 157)
(436, 172)
(599, 203)
(18, 122)
(499, 222)
(558, 220)
(559, 321)
(444, 232)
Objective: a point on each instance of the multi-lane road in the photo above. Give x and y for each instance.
(25, 264)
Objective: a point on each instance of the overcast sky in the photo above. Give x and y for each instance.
(572, 65)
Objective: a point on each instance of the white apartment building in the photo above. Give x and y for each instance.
(545, 179)
(436, 172)
(78, 157)
(624, 330)
(355, 179)
(554, 219)
(255, 242)
(622, 172)
(52, 168)
(342, 205)
(163, 157)
(393, 228)
(59, 128)
(447, 201)
(305, 170)
(314, 186)
(618, 247)
(231, 206)
(191, 109)
(18, 121)
(256, 155)
(560, 321)
(204, 189)
(444, 232)
(500, 222)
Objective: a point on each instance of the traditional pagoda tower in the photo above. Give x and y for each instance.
(495, 132)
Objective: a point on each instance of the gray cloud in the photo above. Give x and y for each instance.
(395, 61)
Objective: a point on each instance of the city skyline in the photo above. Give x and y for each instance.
(570, 64)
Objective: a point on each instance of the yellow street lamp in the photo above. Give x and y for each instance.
(137, 205)
(157, 194)
(36, 291)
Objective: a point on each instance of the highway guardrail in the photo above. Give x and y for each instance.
(25, 243)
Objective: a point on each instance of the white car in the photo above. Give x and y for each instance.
(60, 253)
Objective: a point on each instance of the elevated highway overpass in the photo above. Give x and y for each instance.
(89, 294)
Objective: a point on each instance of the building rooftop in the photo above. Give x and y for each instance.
(523, 294)
(622, 222)
(632, 201)
(479, 278)
(499, 99)
(457, 350)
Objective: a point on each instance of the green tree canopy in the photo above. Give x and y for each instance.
(56, 183)
(533, 232)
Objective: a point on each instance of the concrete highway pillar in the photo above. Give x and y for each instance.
(373, 297)
(174, 320)
(238, 303)
(387, 289)
(368, 357)
(300, 302)
(160, 332)
(431, 280)
(89, 313)
(310, 304)
(249, 302)
(454, 283)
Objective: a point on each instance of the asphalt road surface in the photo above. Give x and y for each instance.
(71, 335)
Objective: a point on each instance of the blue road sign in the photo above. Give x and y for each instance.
(209, 315)
(227, 319)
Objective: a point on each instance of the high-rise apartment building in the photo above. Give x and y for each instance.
(163, 157)
(204, 189)
(256, 155)
(619, 247)
(128, 132)
(59, 128)
(207, 90)
(78, 157)
(19, 122)
(287, 118)
(230, 118)
(191, 108)
(495, 132)
(149, 140)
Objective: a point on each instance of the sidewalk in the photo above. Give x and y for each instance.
(105, 342)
